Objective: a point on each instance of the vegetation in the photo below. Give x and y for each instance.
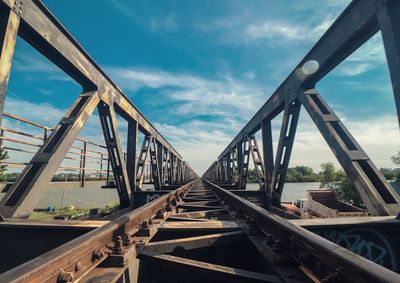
(294, 174)
(68, 211)
(306, 174)
(338, 181)
(333, 179)
(3, 156)
(60, 177)
(396, 160)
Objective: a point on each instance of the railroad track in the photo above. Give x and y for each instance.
(199, 233)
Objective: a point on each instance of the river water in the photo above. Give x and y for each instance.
(96, 197)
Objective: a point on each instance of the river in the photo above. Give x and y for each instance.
(95, 197)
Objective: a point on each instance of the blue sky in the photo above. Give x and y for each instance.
(199, 70)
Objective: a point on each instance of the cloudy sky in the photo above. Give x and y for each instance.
(199, 70)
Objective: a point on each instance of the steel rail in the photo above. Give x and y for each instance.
(92, 248)
(298, 242)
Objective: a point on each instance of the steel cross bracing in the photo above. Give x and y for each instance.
(35, 24)
(199, 233)
(358, 23)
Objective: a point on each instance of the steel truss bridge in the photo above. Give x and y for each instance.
(191, 228)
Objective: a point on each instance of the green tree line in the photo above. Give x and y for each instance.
(306, 174)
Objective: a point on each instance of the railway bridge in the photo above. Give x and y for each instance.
(191, 228)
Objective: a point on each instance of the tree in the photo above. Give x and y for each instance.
(396, 160)
(301, 174)
(3, 156)
(328, 174)
(338, 181)
(304, 170)
(389, 173)
(252, 176)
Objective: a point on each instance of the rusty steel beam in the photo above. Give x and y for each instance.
(154, 163)
(9, 24)
(358, 23)
(131, 151)
(351, 29)
(24, 194)
(322, 258)
(285, 145)
(34, 23)
(389, 23)
(92, 248)
(40, 28)
(112, 139)
(377, 194)
(268, 153)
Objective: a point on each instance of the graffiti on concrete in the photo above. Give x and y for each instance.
(368, 243)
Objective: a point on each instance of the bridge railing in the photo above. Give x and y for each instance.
(358, 23)
(35, 24)
(86, 157)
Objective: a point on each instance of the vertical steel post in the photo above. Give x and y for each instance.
(377, 194)
(389, 22)
(101, 166)
(160, 160)
(228, 168)
(171, 169)
(131, 159)
(285, 145)
(239, 156)
(24, 194)
(109, 125)
(83, 164)
(9, 24)
(268, 152)
(155, 170)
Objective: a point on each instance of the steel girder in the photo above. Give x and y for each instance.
(358, 23)
(34, 23)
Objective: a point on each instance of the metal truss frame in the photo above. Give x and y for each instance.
(356, 25)
(35, 24)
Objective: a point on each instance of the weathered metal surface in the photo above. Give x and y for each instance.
(93, 247)
(240, 242)
(24, 194)
(34, 23)
(112, 139)
(322, 256)
(358, 23)
(9, 24)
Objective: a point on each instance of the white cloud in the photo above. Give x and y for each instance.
(197, 95)
(163, 24)
(200, 142)
(310, 147)
(369, 56)
(250, 75)
(279, 31)
(31, 63)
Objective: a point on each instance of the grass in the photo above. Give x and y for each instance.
(68, 211)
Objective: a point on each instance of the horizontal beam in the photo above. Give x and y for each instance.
(191, 243)
(220, 226)
(203, 213)
(294, 239)
(46, 268)
(225, 273)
